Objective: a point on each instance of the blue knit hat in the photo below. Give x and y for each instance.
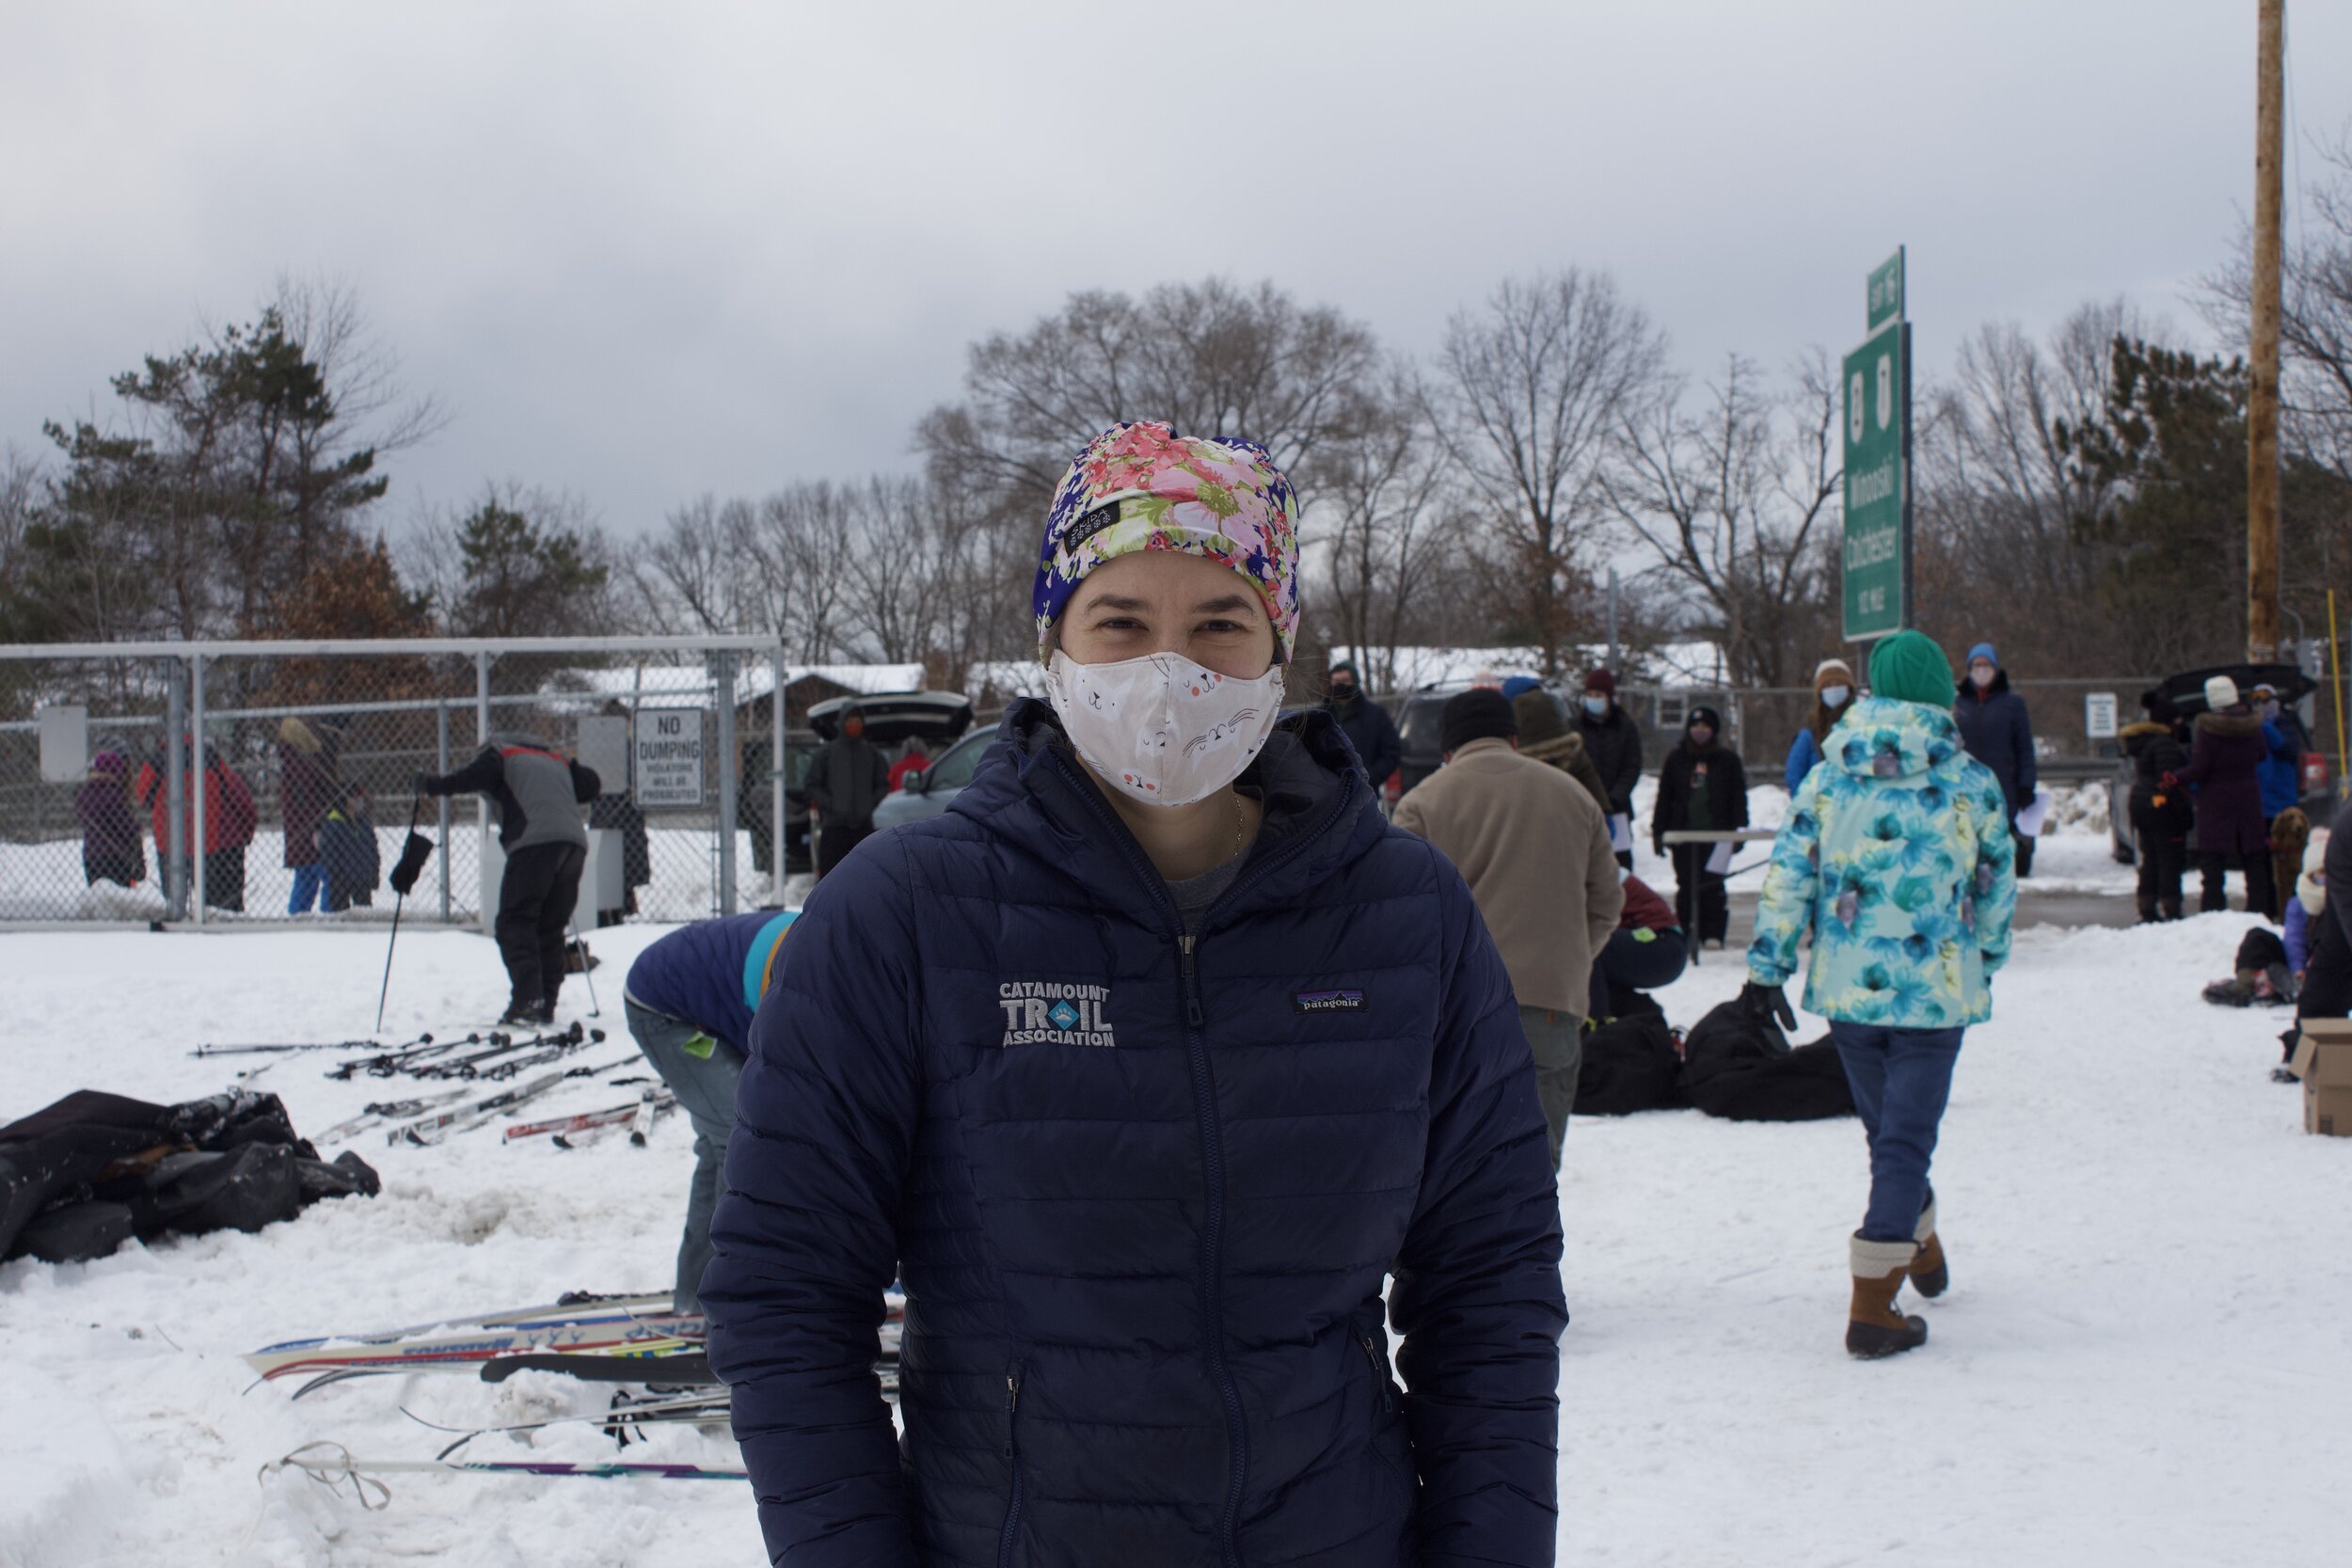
(1984, 650)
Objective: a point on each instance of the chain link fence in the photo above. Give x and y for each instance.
(253, 781)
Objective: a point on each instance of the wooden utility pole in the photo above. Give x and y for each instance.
(2261, 393)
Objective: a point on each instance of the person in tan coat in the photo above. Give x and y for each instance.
(1534, 847)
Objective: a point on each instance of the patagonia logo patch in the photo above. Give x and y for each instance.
(1045, 1012)
(1329, 1002)
(1091, 524)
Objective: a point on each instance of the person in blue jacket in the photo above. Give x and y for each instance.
(1146, 1061)
(1995, 728)
(1833, 694)
(2284, 745)
(690, 999)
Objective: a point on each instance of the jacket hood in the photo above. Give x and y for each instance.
(2233, 722)
(503, 738)
(1882, 739)
(1970, 689)
(1031, 790)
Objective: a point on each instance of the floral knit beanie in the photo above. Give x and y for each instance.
(1142, 486)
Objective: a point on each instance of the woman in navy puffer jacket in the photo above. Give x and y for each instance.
(1144, 1064)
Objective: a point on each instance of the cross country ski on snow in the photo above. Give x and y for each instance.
(476, 1064)
(380, 1110)
(640, 1328)
(644, 1323)
(585, 1120)
(385, 1063)
(280, 1048)
(333, 1466)
(464, 1118)
(620, 1419)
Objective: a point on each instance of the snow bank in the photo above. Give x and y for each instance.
(2140, 1359)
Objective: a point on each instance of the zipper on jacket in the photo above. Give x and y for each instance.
(1212, 1142)
(1013, 1458)
(1384, 1389)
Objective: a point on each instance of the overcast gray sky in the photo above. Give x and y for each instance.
(644, 252)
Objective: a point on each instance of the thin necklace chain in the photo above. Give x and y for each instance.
(1241, 822)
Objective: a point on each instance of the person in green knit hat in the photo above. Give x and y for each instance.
(1897, 858)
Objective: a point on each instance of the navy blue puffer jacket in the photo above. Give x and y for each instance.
(1144, 1193)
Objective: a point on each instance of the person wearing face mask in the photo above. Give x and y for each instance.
(847, 779)
(1147, 1062)
(1702, 787)
(1994, 727)
(1833, 694)
(1613, 740)
(1366, 724)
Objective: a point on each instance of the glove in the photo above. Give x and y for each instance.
(413, 856)
(1767, 1004)
(422, 783)
(1658, 847)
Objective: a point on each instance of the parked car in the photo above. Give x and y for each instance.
(933, 790)
(936, 718)
(2185, 691)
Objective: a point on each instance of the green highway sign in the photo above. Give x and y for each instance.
(1876, 553)
(1886, 292)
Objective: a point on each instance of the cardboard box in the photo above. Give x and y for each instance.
(2323, 1056)
(2327, 1112)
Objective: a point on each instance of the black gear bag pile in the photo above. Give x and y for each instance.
(1731, 1066)
(94, 1170)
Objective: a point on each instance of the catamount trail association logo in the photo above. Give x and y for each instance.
(1053, 1012)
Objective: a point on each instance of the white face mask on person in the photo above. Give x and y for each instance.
(1162, 729)
(1981, 674)
(1834, 696)
(1597, 706)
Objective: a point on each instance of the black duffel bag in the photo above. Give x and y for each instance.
(1741, 1069)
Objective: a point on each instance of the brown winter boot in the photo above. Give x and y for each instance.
(1873, 1328)
(1929, 1276)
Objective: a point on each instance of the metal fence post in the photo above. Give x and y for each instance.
(440, 751)
(175, 792)
(482, 802)
(722, 684)
(195, 770)
(776, 779)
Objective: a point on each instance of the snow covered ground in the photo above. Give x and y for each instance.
(2141, 1358)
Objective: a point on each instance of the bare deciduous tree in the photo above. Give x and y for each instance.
(1531, 393)
(1382, 489)
(2315, 316)
(2000, 552)
(1734, 497)
(1209, 358)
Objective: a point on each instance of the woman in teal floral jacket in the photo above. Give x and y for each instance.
(1898, 858)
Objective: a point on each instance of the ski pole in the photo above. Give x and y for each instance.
(584, 972)
(399, 898)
